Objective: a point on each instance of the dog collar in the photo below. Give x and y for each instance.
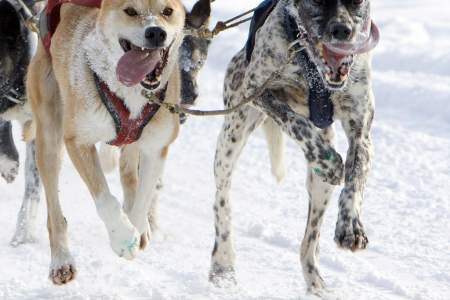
(321, 108)
(128, 130)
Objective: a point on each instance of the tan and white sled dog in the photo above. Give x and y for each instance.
(86, 88)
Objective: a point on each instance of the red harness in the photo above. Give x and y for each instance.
(50, 17)
(128, 130)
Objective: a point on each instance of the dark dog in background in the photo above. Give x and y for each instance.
(194, 51)
(17, 45)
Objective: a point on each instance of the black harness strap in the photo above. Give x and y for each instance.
(259, 18)
(321, 108)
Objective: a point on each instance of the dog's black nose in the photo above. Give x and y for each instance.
(341, 31)
(156, 36)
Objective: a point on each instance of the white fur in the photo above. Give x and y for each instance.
(123, 236)
(95, 123)
(109, 156)
(276, 145)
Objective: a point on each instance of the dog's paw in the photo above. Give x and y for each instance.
(350, 234)
(62, 270)
(317, 287)
(221, 276)
(322, 294)
(125, 240)
(9, 168)
(314, 281)
(123, 236)
(330, 167)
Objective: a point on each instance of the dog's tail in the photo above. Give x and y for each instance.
(109, 157)
(276, 144)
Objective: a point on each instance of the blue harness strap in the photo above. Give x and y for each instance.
(321, 108)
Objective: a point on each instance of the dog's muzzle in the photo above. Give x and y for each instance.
(365, 42)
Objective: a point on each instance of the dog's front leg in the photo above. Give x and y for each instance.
(129, 165)
(319, 193)
(322, 158)
(356, 123)
(151, 166)
(123, 236)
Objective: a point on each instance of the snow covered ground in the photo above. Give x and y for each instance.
(406, 209)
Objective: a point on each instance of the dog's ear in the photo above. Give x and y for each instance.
(199, 15)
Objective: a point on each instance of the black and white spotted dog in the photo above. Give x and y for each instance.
(17, 45)
(320, 49)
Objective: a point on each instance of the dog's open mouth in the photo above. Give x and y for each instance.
(337, 59)
(336, 67)
(141, 65)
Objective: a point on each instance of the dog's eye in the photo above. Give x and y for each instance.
(357, 2)
(167, 11)
(130, 12)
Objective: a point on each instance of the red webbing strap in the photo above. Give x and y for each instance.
(52, 12)
(128, 130)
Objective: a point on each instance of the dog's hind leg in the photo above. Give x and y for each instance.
(319, 193)
(153, 219)
(151, 165)
(108, 157)
(9, 157)
(322, 158)
(43, 92)
(129, 167)
(25, 228)
(235, 132)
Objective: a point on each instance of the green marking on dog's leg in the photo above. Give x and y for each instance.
(318, 172)
(131, 244)
(330, 156)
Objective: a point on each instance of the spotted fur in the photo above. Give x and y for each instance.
(284, 103)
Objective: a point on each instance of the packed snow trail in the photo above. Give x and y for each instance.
(406, 209)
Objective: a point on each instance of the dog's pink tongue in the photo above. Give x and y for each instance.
(134, 65)
(334, 60)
